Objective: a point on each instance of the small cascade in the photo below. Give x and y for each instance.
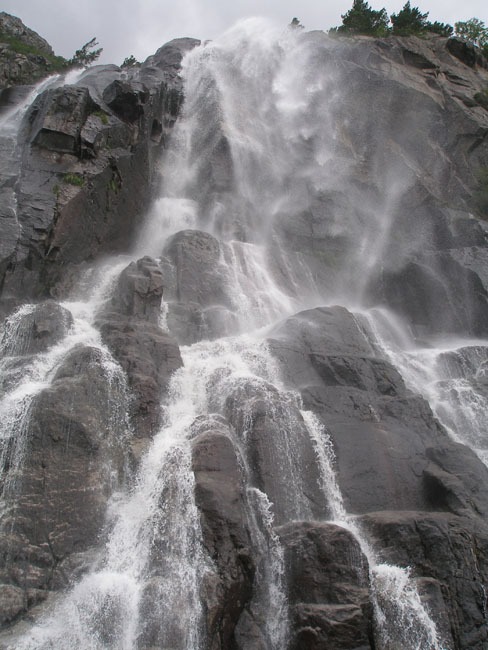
(11, 119)
(401, 619)
(28, 366)
(257, 298)
(451, 373)
(149, 578)
(10, 123)
(269, 604)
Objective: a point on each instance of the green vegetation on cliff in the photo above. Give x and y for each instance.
(362, 19)
(54, 63)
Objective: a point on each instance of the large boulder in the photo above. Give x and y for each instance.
(66, 457)
(139, 291)
(149, 356)
(59, 120)
(381, 432)
(279, 448)
(35, 328)
(126, 100)
(449, 551)
(31, 330)
(220, 496)
(200, 303)
(328, 587)
(129, 325)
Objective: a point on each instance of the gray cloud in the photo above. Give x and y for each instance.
(125, 27)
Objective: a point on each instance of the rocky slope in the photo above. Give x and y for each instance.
(25, 56)
(408, 137)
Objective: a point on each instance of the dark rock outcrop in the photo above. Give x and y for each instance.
(450, 550)
(199, 304)
(57, 125)
(129, 325)
(328, 587)
(219, 494)
(37, 330)
(73, 456)
(24, 65)
(87, 165)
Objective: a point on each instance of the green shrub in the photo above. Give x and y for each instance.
(72, 178)
(480, 196)
(473, 31)
(482, 98)
(55, 63)
(443, 29)
(86, 55)
(130, 62)
(409, 21)
(103, 116)
(361, 19)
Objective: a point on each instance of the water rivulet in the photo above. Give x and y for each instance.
(251, 412)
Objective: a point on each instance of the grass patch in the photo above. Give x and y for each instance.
(55, 63)
(73, 179)
(480, 196)
(481, 98)
(102, 116)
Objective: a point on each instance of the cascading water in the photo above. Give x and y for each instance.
(26, 372)
(261, 142)
(450, 372)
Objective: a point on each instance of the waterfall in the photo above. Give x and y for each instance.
(261, 145)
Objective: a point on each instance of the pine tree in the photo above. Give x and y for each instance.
(409, 21)
(361, 19)
(83, 56)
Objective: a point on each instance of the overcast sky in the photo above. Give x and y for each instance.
(139, 27)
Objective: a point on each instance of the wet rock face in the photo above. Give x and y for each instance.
(450, 550)
(149, 357)
(379, 429)
(219, 494)
(129, 325)
(86, 168)
(199, 302)
(387, 442)
(126, 100)
(32, 330)
(37, 330)
(58, 122)
(72, 457)
(328, 587)
(362, 402)
(277, 445)
(139, 291)
(420, 292)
